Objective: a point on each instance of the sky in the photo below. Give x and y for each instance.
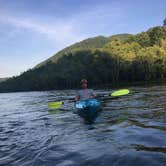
(33, 30)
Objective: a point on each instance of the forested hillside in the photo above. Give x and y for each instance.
(103, 61)
(91, 43)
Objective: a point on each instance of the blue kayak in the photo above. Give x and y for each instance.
(88, 109)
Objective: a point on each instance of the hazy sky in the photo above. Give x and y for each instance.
(33, 30)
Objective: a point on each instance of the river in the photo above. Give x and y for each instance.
(130, 130)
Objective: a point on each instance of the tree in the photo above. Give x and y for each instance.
(164, 22)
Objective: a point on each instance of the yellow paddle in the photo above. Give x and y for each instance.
(55, 105)
(120, 92)
(58, 104)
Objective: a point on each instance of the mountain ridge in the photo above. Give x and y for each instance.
(89, 43)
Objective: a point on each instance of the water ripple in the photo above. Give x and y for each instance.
(131, 130)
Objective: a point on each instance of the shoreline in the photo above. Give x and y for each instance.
(106, 86)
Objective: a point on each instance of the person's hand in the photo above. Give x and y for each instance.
(91, 97)
(76, 99)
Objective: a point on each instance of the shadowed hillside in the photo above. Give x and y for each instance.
(91, 43)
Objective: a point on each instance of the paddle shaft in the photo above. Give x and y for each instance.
(109, 96)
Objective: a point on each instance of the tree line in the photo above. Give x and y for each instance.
(141, 57)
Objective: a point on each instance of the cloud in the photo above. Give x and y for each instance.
(81, 25)
(101, 19)
(58, 31)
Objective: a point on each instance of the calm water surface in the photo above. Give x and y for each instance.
(130, 130)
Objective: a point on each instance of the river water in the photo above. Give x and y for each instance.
(131, 130)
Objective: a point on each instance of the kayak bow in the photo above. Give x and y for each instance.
(88, 109)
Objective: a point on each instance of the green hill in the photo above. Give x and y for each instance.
(102, 60)
(90, 43)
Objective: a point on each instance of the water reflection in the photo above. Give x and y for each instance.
(150, 149)
(137, 123)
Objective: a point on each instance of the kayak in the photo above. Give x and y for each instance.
(88, 109)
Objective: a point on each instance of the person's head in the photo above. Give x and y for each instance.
(84, 83)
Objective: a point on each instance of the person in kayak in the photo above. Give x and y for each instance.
(84, 93)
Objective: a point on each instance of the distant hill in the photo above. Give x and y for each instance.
(102, 60)
(90, 43)
(3, 79)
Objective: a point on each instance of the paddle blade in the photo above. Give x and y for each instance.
(120, 92)
(55, 105)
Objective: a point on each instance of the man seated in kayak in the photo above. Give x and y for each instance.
(84, 93)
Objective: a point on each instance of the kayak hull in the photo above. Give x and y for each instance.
(88, 109)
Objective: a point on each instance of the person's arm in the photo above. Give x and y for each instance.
(92, 94)
(77, 97)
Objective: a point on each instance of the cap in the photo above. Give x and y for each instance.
(83, 81)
